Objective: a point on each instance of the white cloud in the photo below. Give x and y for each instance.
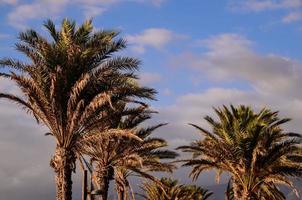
(197, 105)
(293, 7)
(291, 3)
(292, 17)
(21, 163)
(38, 9)
(273, 81)
(147, 78)
(9, 2)
(96, 2)
(154, 2)
(253, 5)
(167, 92)
(157, 2)
(25, 154)
(4, 36)
(261, 5)
(92, 8)
(192, 107)
(8, 86)
(231, 57)
(92, 11)
(24, 12)
(156, 38)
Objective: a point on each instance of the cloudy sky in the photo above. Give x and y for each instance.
(197, 54)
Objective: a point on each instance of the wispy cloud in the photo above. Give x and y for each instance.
(4, 36)
(156, 38)
(292, 7)
(92, 8)
(191, 107)
(262, 5)
(154, 2)
(157, 2)
(38, 9)
(147, 78)
(24, 12)
(9, 2)
(272, 81)
(92, 11)
(231, 57)
(292, 17)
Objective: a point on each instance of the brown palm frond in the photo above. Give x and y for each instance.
(62, 90)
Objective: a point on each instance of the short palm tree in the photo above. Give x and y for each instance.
(252, 147)
(229, 193)
(170, 190)
(70, 85)
(129, 151)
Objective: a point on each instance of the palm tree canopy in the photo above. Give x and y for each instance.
(70, 83)
(128, 149)
(72, 78)
(252, 147)
(127, 141)
(169, 189)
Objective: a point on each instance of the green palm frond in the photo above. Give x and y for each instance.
(169, 189)
(252, 147)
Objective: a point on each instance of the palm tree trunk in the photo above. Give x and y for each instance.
(246, 195)
(84, 186)
(241, 193)
(120, 193)
(103, 176)
(120, 189)
(236, 192)
(237, 188)
(63, 163)
(121, 185)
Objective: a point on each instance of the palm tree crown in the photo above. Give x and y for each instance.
(170, 190)
(70, 85)
(129, 151)
(252, 147)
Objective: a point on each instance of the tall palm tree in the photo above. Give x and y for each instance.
(170, 190)
(119, 155)
(252, 147)
(70, 85)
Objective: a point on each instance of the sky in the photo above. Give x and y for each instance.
(196, 53)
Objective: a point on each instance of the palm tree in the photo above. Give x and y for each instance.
(252, 147)
(229, 193)
(70, 85)
(129, 151)
(170, 190)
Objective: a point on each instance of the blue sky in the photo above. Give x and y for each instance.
(178, 28)
(196, 53)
